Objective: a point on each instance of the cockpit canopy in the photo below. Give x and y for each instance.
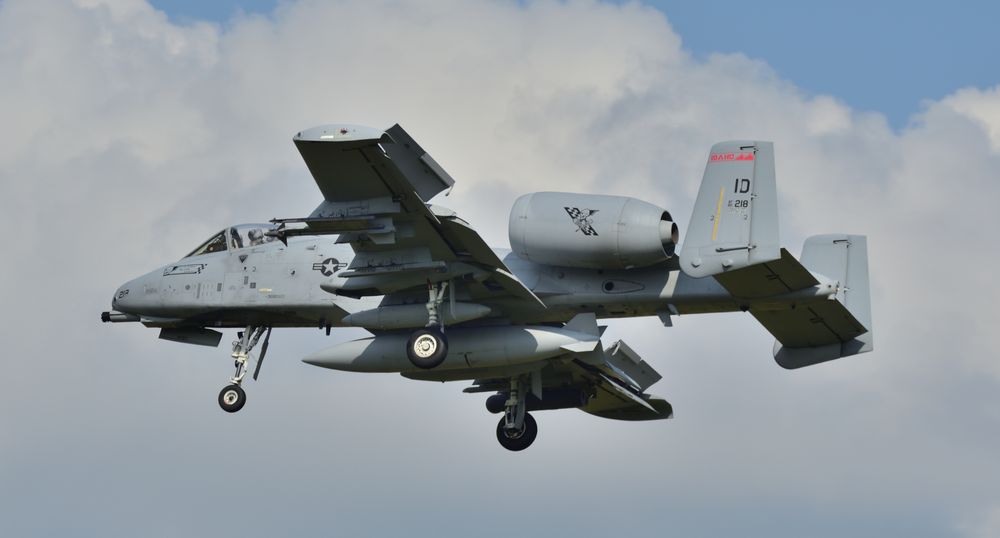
(235, 238)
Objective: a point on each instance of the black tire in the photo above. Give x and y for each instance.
(427, 348)
(232, 398)
(520, 440)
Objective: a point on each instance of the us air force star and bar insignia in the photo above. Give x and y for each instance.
(328, 266)
(581, 217)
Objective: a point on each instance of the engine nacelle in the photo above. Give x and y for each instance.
(590, 230)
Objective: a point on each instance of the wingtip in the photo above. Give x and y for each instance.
(338, 133)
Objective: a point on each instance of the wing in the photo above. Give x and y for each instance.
(375, 187)
(610, 385)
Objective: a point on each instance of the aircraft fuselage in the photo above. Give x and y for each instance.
(279, 285)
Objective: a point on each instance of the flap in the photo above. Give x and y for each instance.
(635, 369)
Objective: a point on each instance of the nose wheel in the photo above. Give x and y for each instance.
(232, 398)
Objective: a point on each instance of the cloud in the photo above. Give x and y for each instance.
(129, 139)
(982, 107)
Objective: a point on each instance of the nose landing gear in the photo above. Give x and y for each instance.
(232, 398)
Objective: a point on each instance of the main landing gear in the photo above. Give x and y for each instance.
(232, 398)
(428, 347)
(517, 440)
(517, 429)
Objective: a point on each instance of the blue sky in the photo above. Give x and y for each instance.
(883, 56)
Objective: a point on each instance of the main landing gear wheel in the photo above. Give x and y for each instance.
(518, 440)
(232, 398)
(427, 348)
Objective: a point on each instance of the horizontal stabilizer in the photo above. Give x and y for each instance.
(776, 277)
(813, 324)
(826, 329)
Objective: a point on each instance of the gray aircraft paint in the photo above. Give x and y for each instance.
(375, 255)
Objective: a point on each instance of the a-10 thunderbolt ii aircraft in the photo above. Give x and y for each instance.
(521, 323)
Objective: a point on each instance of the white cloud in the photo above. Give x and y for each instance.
(982, 106)
(128, 139)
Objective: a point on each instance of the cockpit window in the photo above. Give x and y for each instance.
(235, 241)
(235, 238)
(216, 244)
(250, 235)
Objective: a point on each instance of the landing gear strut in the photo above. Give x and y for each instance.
(517, 429)
(232, 398)
(428, 347)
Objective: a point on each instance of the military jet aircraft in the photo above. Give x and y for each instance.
(521, 323)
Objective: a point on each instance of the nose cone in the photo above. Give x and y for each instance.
(123, 300)
(138, 295)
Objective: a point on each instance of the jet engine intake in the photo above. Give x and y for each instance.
(591, 231)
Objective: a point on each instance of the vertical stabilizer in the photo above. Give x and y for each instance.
(734, 223)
